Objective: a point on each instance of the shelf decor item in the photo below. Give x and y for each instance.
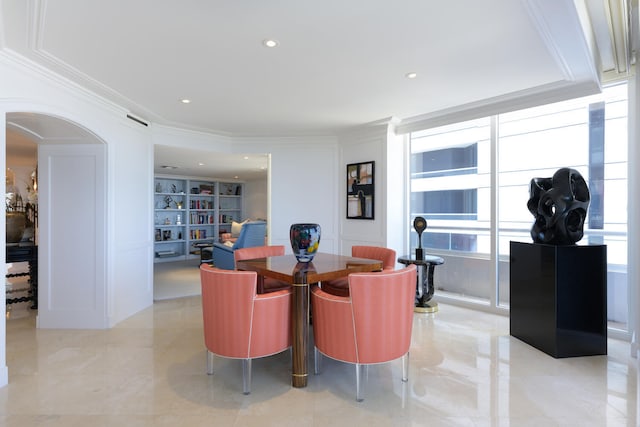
(16, 224)
(305, 239)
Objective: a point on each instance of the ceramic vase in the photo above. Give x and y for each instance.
(305, 239)
(16, 224)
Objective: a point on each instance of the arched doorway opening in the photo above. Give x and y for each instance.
(72, 219)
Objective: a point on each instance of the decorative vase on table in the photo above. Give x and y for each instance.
(305, 239)
(15, 226)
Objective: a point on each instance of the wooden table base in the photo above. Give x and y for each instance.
(300, 332)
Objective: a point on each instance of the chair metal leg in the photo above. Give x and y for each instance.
(317, 360)
(405, 367)
(209, 363)
(359, 369)
(246, 376)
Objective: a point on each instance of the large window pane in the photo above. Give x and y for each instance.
(589, 135)
(451, 188)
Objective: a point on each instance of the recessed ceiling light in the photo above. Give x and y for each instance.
(185, 101)
(246, 157)
(411, 75)
(200, 164)
(270, 43)
(235, 177)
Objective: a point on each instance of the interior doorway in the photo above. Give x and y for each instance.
(21, 207)
(72, 164)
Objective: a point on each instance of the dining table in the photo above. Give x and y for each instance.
(300, 275)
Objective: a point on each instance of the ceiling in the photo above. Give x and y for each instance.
(338, 64)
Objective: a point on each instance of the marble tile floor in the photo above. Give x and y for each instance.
(149, 370)
(176, 279)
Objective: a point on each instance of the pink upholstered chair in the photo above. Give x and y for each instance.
(239, 323)
(340, 286)
(265, 284)
(371, 325)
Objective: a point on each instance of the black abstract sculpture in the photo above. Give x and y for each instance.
(559, 205)
(420, 224)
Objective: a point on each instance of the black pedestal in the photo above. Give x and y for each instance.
(558, 300)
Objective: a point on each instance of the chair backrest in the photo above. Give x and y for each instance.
(258, 252)
(383, 306)
(386, 255)
(238, 322)
(371, 325)
(251, 234)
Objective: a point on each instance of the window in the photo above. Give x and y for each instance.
(451, 186)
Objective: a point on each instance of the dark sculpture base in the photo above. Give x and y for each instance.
(558, 298)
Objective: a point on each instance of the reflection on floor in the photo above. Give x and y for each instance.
(149, 370)
(176, 279)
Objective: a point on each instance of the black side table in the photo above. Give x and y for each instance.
(424, 286)
(206, 252)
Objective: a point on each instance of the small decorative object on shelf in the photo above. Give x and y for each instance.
(305, 239)
(420, 224)
(16, 224)
(168, 200)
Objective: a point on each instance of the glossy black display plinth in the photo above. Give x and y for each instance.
(558, 300)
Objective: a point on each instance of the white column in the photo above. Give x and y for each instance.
(633, 214)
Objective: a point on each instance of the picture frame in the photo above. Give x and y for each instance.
(361, 190)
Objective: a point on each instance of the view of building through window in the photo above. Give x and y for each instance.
(458, 170)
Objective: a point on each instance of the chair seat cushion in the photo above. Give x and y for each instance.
(338, 287)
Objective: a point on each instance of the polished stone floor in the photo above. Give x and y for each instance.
(465, 370)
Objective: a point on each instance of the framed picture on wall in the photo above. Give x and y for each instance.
(360, 190)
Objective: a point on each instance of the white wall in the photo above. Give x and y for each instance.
(128, 263)
(633, 215)
(304, 178)
(256, 201)
(375, 142)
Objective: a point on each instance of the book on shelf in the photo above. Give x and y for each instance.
(198, 234)
(163, 254)
(226, 219)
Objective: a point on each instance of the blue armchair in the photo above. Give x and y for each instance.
(252, 234)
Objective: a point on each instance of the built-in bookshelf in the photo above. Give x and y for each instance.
(230, 205)
(190, 213)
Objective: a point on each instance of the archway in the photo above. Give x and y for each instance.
(72, 220)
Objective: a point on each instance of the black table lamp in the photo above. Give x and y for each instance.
(420, 224)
